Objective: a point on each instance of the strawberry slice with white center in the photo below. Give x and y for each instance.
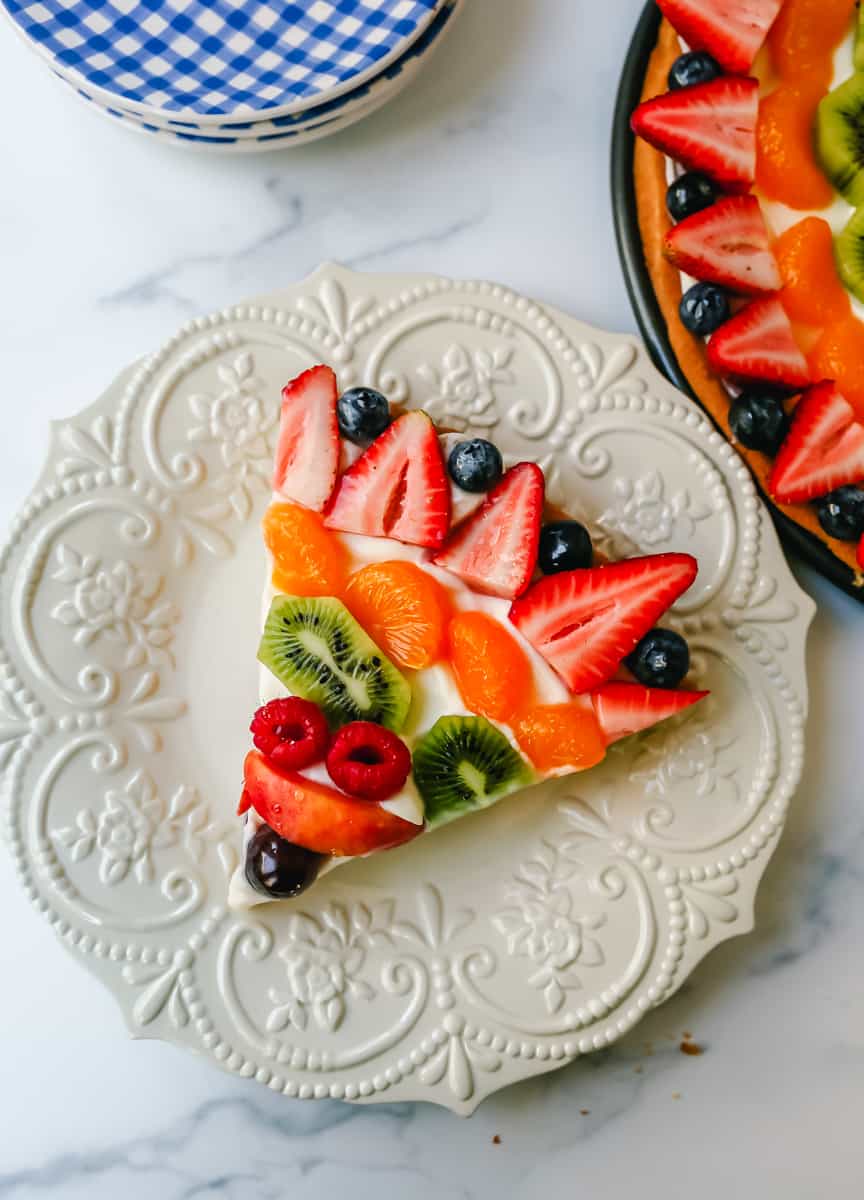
(710, 127)
(495, 549)
(307, 453)
(397, 488)
(733, 31)
(626, 708)
(823, 450)
(758, 344)
(585, 622)
(728, 244)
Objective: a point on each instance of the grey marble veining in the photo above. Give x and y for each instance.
(493, 164)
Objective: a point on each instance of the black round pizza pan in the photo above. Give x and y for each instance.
(647, 311)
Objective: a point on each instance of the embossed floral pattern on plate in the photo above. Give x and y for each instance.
(500, 948)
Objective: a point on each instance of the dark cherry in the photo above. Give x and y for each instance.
(279, 869)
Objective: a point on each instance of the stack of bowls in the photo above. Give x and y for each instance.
(236, 75)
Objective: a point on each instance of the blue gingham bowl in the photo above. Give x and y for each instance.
(208, 60)
(318, 121)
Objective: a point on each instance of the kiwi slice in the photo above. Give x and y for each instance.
(464, 764)
(840, 137)
(318, 651)
(849, 253)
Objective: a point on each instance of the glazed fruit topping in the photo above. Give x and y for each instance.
(585, 623)
(704, 308)
(758, 421)
(495, 550)
(564, 546)
(688, 194)
(727, 244)
(403, 609)
(824, 448)
(318, 817)
(491, 669)
(732, 32)
(709, 128)
(307, 559)
(556, 736)
(398, 488)
(475, 466)
(757, 344)
(278, 869)
(786, 167)
(317, 650)
(626, 708)
(841, 514)
(696, 66)
(812, 291)
(307, 453)
(292, 733)
(661, 659)
(363, 414)
(368, 761)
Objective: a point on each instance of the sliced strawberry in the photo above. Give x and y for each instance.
(823, 450)
(625, 708)
(585, 622)
(860, 555)
(731, 30)
(727, 243)
(758, 344)
(710, 127)
(495, 549)
(307, 453)
(397, 488)
(317, 817)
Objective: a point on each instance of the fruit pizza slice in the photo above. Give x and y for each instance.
(749, 182)
(434, 638)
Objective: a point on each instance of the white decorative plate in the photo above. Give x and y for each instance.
(498, 948)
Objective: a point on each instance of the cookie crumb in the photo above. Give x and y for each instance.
(692, 1048)
(584, 1112)
(496, 1141)
(676, 1095)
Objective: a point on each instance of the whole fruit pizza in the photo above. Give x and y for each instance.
(749, 181)
(435, 637)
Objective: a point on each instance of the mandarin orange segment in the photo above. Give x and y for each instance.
(403, 609)
(812, 291)
(308, 560)
(838, 355)
(805, 35)
(561, 735)
(786, 166)
(492, 670)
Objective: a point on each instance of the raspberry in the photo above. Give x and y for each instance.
(368, 761)
(292, 733)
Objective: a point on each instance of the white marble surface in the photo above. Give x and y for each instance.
(493, 165)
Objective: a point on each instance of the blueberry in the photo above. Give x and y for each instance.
(694, 67)
(841, 513)
(564, 546)
(689, 194)
(704, 307)
(475, 466)
(661, 659)
(759, 421)
(363, 413)
(277, 868)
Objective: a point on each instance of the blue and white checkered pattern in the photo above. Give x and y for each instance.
(320, 120)
(217, 57)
